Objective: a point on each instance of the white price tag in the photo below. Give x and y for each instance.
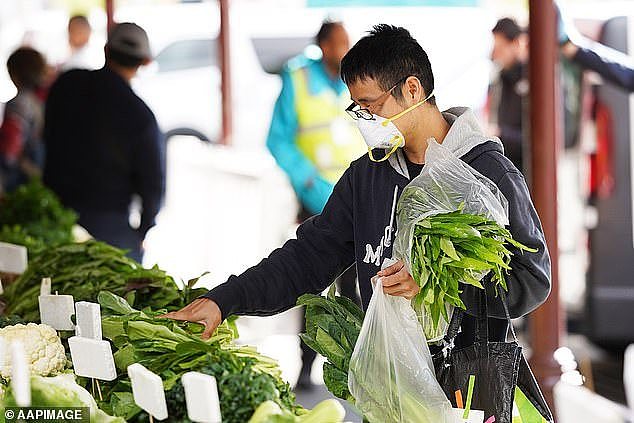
(13, 258)
(57, 310)
(20, 375)
(147, 388)
(92, 358)
(201, 395)
(88, 320)
(45, 286)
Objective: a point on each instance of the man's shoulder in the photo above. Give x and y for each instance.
(489, 159)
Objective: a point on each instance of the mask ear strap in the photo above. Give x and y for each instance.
(397, 144)
(409, 109)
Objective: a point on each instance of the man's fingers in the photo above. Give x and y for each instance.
(395, 268)
(394, 289)
(399, 277)
(209, 330)
(387, 281)
(179, 315)
(171, 315)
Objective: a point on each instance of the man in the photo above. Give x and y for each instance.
(21, 148)
(81, 57)
(314, 140)
(390, 80)
(508, 93)
(103, 145)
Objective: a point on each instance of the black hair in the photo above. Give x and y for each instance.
(325, 30)
(123, 59)
(508, 28)
(388, 55)
(27, 67)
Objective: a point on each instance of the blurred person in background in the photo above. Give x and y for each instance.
(509, 90)
(611, 64)
(314, 141)
(103, 144)
(21, 147)
(81, 55)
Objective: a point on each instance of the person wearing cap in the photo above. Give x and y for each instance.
(508, 91)
(103, 144)
(314, 140)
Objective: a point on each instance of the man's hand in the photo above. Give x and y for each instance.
(398, 282)
(203, 311)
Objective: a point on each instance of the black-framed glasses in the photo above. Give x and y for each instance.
(357, 112)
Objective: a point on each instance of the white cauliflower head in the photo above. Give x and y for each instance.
(44, 350)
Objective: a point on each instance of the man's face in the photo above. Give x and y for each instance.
(78, 34)
(335, 47)
(505, 52)
(367, 94)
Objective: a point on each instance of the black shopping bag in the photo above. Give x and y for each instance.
(499, 367)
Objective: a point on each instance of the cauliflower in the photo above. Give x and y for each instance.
(44, 350)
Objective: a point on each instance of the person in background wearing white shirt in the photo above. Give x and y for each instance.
(81, 56)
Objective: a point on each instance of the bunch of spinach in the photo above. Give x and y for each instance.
(245, 378)
(453, 248)
(333, 324)
(85, 269)
(38, 213)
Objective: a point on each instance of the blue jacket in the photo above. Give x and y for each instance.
(312, 190)
(608, 66)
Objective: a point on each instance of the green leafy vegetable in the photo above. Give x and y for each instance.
(85, 269)
(32, 214)
(453, 248)
(169, 348)
(333, 324)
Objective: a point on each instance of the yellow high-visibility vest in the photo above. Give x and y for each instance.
(326, 135)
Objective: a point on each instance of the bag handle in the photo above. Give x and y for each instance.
(482, 327)
(482, 319)
(502, 294)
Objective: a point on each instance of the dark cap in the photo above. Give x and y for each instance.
(509, 28)
(129, 39)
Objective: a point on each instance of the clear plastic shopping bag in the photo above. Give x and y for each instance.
(391, 374)
(445, 184)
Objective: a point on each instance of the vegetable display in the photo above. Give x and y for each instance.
(453, 248)
(333, 324)
(85, 269)
(44, 350)
(245, 378)
(132, 299)
(32, 214)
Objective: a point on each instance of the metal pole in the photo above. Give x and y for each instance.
(547, 321)
(109, 14)
(225, 69)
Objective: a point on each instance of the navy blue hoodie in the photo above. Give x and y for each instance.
(355, 228)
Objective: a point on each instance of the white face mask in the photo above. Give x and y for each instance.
(382, 133)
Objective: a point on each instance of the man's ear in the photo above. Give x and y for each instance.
(413, 90)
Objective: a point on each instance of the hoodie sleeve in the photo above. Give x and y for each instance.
(529, 280)
(610, 64)
(324, 248)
